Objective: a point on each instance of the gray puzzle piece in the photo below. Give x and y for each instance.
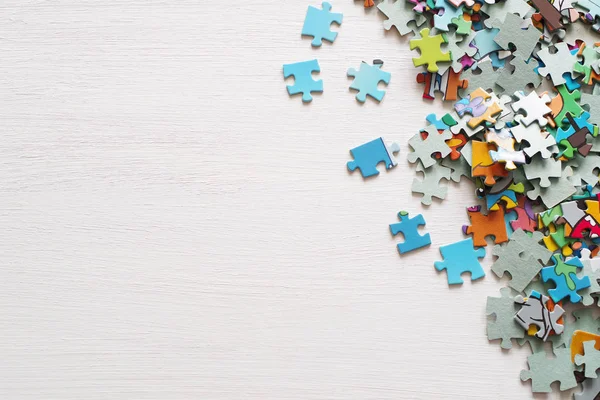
(512, 32)
(593, 104)
(400, 14)
(559, 190)
(590, 357)
(500, 9)
(519, 261)
(585, 168)
(591, 389)
(523, 75)
(556, 64)
(535, 312)
(483, 77)
(588, 270)
(543, 169)
(459, 168)
(584, 321)
(544, 371)
(504, 326)
(424, 148)
(539, 142)
(458, 46)
(430, 186)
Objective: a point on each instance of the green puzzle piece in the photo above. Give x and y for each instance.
(430, 48)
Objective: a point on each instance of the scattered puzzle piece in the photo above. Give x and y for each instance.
(366, 80)
(564, 276)
(368, 155)
(461, 257)
(409, 227)
(590, 357)
(430, 186)
(318, 23)
(303, 81)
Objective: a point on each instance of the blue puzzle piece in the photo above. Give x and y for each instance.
(367, 156)
(564, 276)
(581, 121)
(366, 80)
(461, 257)
(442, 21)
(484, 41)
(409, 227)
(318, 23)
(303, 81)
(441, 124)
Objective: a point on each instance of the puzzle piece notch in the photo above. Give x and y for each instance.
(366, 80)
(543, 371)
(317, 24)
(409, 228)
(461, 257)
(303, 80)
(369, 155)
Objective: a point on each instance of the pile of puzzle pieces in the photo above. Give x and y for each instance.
(525, 91)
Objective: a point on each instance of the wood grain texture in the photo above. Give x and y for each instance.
(174, 226)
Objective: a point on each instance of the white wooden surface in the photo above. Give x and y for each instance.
(174, 226)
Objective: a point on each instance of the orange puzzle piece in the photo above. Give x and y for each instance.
(482, 225)
(483, 165)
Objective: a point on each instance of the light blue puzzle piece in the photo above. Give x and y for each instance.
(484, 41)
(493, 198)
(303, 81)
(409, 227)
(367, 156)
(564, 276)
(442, 22)
(318, 23)
(461, 257)
(366, 80)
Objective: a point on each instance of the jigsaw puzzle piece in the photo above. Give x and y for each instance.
(366, 80)
(303, 80)
(409, 227)
(579, 337)
(367, 156)
(447, 83)
(430, 186)
(590, 357)
(400, 14)
(482, 226)
(535, 311)
(424, 148)
(430, 47)
(504, 326)
(461, 257)
(318, 24)
(564, 276)
(482, 163)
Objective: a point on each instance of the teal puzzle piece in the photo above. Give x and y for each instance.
(461, 257)
(409, 227)
(366, 80)
(318, 23)
(303, 80)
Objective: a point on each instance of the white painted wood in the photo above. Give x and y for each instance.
(174, 226)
